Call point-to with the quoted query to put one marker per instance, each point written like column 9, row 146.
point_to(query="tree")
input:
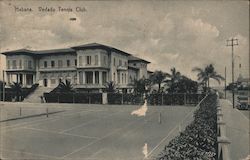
column 174, row 78
column 64, row 87
column 110, row 87
column 174, row 75
column 141, row 86
column 158, row 78
column 204, row 75
column 17, row 89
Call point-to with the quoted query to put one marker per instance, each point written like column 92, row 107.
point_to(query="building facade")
column 88, row 66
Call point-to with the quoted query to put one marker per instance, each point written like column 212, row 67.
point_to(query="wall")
column 21, row 62
column 113, row 67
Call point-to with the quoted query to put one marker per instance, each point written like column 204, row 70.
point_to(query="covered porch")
column 26, row 79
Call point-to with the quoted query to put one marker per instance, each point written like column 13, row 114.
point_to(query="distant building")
column 87, row 66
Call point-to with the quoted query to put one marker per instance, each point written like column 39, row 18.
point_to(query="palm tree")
column 17, row 89
column 204, row 75
column 65, row 87
column 174, row 76
column 110, row 87
column 158, row 78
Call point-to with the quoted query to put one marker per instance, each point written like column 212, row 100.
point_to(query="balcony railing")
column 123, row 68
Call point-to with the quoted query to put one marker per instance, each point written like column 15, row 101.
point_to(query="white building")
column 88, row 66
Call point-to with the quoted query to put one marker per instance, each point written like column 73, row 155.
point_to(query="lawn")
column 91, row 132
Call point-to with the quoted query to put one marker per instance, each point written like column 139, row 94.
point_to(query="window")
column 134, row 64
column 118, row 77
column 96, row 77
column 45, row 64
column 20, row 63
column 14, row 64
column 105, row 60
column 114, row 76
column 125, row 78
column 120, row 62
column 75, row 62
column 8, row 64
column 52, row 64
column 96, row 59
column 29, row 64
column 89, row 77
column 122, row 78
column 125, row 64
column 60, row 63
column 104, row 77
column 68, row 63
column 88, row 58
column 114, row 61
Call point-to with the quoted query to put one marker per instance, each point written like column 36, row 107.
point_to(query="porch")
column 26, row 79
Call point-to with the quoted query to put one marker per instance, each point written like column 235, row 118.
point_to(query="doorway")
column 45, row 82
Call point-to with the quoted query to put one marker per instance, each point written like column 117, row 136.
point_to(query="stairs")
column 35, row 97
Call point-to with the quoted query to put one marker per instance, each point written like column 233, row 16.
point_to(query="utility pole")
column 233, row 42
column 225, row 92
column 3, row 87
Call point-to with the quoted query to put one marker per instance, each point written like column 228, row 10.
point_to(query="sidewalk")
column 237, row 130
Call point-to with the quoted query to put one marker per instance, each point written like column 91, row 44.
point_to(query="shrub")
column 199, row 139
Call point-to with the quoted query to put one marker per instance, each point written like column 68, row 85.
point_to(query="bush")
column 199, row 139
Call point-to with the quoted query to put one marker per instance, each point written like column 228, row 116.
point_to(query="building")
column 88, row 66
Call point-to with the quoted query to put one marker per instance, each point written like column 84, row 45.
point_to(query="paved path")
column 237, row 130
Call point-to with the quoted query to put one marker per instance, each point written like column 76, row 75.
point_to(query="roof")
column 133, row 58
column 63, row 50
column 26, row 51
column 39, row 52
column 97, row 45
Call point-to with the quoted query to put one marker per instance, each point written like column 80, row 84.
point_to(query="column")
column 83, row 77
column 77, row 75
column 93, row 77
column 34, row 78
column 100, row 77
column 24, row 79
column 17, row 78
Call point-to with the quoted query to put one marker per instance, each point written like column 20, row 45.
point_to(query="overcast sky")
column 169, row 34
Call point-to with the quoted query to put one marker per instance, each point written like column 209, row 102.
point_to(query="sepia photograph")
column 124, row 80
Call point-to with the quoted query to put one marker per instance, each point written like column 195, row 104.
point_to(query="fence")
column 10, row 95
column 91, row 98
column 155, row 99
column 222, row 140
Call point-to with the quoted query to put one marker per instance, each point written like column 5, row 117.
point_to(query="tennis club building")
column 88, row 66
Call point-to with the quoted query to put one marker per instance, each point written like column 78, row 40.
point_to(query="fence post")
column 122, row 99
column 162, row 99
column 58, row 98
column 185, row 98
column 47, row 112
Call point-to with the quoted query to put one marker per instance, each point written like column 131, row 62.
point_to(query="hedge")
column 93, row 98
column 199, row 139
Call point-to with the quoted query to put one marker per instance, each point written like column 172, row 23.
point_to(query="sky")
column 180, row 34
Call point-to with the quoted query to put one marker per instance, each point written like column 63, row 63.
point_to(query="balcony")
column 122, row 68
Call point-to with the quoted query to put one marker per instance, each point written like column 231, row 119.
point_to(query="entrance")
column 45, row 82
